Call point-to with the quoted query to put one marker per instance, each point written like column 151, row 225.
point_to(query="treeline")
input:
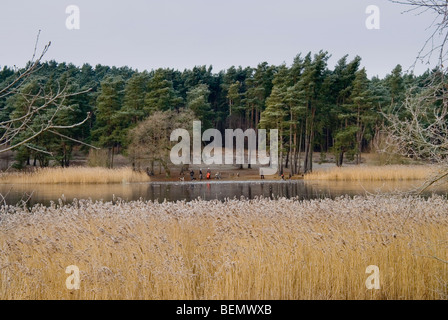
column 316, row 109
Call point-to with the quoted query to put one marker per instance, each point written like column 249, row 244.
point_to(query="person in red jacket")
column 209, row 174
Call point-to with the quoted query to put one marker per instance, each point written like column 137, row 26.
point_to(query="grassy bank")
column 374, row 173
column 75, row 175
column 258, row 249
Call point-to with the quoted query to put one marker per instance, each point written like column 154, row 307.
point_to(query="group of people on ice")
column 208, row 175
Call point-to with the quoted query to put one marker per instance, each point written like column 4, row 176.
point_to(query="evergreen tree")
column 161, row 95
column 276, row 112
column 310, row 86
column 109, row 126
column 19, row 105
column 259, row 87
column 197, row 101
column 395, row 83
column 359, row 110
column 236, row 107
column 134, row 98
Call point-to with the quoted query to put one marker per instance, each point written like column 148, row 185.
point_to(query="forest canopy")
column 315, row 108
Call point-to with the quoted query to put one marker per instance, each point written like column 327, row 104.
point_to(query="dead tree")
column 419, row 128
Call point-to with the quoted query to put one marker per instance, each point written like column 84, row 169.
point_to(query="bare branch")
column 438, row 39
column 74, row 140
column 45, row 102
column 24, row 75
column 419, row 129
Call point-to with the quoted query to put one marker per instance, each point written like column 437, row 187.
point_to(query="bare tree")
column 150, row 139
column 418, row 129
column 50, row 101
column 423, row 130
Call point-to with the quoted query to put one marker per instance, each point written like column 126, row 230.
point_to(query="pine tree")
column 236, row 108
column 276, row 112
column 161, row 95
column 396, row 85
column 360, row 105
column 109, row 125
column 134, row 98
column 18, row 105
column 310, row 86
column 197, row 101
column 259, row 87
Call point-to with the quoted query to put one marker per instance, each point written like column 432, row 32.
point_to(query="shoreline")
column 124, row 175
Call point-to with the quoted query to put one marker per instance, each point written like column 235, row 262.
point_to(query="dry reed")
column 374, row 173
column 251, row 249
column 75, row 175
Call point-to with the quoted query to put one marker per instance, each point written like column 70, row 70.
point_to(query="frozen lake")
column 206, row 190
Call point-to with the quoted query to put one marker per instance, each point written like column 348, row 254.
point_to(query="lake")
column 220, row 190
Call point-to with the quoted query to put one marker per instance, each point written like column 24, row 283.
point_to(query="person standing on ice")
column 209, row 174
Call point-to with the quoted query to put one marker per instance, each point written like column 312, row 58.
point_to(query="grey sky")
column 183, row 33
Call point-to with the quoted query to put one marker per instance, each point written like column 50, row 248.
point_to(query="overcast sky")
column 148, row 34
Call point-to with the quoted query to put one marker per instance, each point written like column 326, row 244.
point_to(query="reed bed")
column 75, row 175
column 375, row 173
column 249, row 249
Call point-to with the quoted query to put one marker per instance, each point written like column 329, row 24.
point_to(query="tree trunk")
column 309, row 142
column 256, row 120
column 300, row 149
column 290, row 143
column 111, row 165
column 310, row 153
column 281, row 150
column 361, row 135
column 340, row 159
column 305, row 161
column 294, row 156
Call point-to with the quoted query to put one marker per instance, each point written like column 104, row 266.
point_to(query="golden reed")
column 75, row 175
column 250, row 249
column 374, row 173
